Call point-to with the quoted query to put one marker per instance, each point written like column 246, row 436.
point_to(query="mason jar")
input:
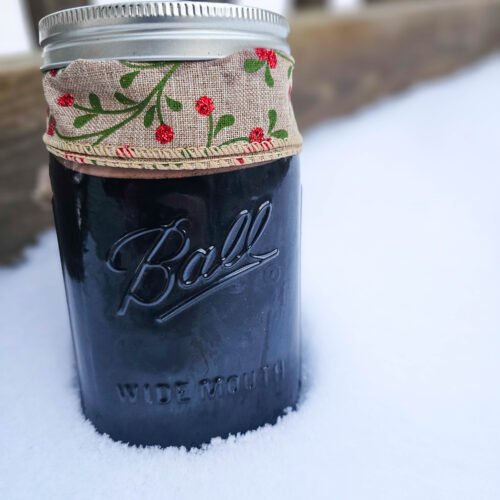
column 182, row 284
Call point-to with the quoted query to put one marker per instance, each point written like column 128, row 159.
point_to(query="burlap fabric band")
column 221, row 113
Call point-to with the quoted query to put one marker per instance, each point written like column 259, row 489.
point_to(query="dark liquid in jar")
column 184, row 299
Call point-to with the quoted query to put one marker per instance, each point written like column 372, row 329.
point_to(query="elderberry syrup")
column 182, row 285
column 184, row 299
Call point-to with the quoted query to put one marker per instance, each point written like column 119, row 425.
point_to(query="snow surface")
column 401, row 283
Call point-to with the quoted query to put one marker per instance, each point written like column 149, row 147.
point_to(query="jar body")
column 184, row 299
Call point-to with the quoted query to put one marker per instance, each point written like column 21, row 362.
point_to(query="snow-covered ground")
column 401, row 332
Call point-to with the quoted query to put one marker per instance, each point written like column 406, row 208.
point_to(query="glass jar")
column 183, row 287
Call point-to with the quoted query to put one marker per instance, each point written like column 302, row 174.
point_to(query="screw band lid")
column 158, row 31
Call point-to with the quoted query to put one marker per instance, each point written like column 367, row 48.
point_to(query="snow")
column 401, row 283
column 15, row 36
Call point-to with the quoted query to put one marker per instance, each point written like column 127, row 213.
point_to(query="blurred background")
column 349, row 53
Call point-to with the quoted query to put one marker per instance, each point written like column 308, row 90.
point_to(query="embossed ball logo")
column 168, row 265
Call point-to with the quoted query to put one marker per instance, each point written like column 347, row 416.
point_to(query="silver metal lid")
column 146, row 31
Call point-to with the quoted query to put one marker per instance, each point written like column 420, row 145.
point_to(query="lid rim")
column 158, row 30
column 134, row 12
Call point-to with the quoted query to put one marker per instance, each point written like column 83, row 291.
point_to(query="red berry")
column 53, row 72
column 205, row 105
column 272, row 61
column 164, row 134
column 256, row 135
column 262, row 54
column 51, row 126
column 66, row 100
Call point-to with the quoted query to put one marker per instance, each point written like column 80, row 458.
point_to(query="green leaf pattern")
column 267, row 59
column 150, row 107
